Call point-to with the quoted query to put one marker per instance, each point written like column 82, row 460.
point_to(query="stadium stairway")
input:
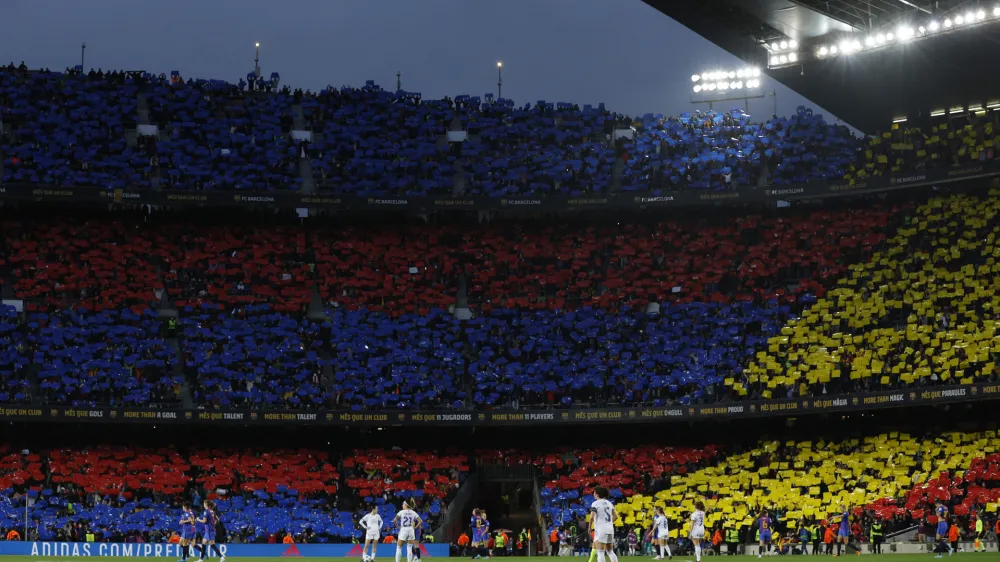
column 305, row 164
column 178, row 371
column 142, row 109
column 31, row 373
column 617, row 173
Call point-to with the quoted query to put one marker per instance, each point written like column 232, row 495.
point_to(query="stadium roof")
column 924, row 66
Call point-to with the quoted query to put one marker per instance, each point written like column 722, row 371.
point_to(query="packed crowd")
column 213, row 135
column 133, row 494
column 655, row 320
column 722, row 150
column 915, row 150
column 921, row 311
column 70, row 129
column 891, row 481
column 684, row 311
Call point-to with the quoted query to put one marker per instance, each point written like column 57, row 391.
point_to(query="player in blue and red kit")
column 480, row 534
column 764, row 526
column 188, row 530
column 941, row 533
column 209, row 518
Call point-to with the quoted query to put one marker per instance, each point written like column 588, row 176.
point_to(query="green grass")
column 390, row 557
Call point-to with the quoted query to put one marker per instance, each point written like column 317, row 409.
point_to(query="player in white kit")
column 698, row 528
column 662, row 533
column 372, row 524
column 604, row 520
column 407, row 520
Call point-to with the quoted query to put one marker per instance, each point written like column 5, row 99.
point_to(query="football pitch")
column 979, row 556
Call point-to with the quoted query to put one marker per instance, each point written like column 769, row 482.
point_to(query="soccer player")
column 372, row 524
column 476, row 524
column 604, row 518
column 764, row 528
column 407, row 519
column 662, row 534
column 188, row 530
column 208, row 520
column 698, row 528
column 844, row 534
column 941, row 534
column 487, row 549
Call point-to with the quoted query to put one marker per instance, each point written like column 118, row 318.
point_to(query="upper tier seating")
column 67, row 130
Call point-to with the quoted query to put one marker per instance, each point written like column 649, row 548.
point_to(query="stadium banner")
column 150, row 550
column 369, row 418
column 549, row 203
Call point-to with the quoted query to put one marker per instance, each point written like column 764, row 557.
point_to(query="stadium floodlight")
column 880, row 39
column 793, row 57
column 933, row 26
column 980, row 15
column 922, row 30
column 899, row 120
column 823, row 51
column 956, row 110
column 947, row 23
column 970, row 17
column 755, row 71
column 697, row 88
column 833, row 49
column 793, row 44
column 775, row 61
column 711, row 87
column 889, row 37
column 783, row 59
column 996, row 12
column 959, row 19
column 905, row 33
column 937, row 113
column 695, row 78
column 869, row 41
column 783, row 45
column 732, row 74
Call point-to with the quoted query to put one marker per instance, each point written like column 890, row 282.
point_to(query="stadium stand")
column 97, row 263
column 915, row 150
column 65, row 129
column 256, row 358
column 124, row 494
column 917, row 313
column 891, row 477
column 713, row 150
column 536, row 150
column 368, row 141
column 70, row 129
column 110, row 357
column 408, row 362
column 15, row 388
column 218, row 137
column 543, row 297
